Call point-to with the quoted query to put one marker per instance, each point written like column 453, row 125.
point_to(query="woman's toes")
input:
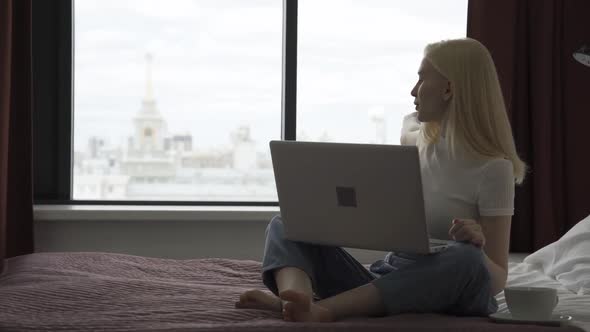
column 257, row 299
column 301, row 300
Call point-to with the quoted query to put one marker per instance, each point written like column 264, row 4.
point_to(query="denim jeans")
column 454, row 281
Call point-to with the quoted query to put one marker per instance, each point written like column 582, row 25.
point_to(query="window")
column 190, row 92
column 147, row 101
column 357, row 63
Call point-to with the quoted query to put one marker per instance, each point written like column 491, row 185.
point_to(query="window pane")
column 357, row 63
column 176, row 100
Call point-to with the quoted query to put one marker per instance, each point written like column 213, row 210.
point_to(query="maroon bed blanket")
column 114, row 292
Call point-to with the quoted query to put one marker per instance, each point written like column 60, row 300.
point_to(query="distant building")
column 180, row 143
column 146, row 159
column 244, row 152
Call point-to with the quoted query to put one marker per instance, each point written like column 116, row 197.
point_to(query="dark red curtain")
column 547, row 94
column 16, row 201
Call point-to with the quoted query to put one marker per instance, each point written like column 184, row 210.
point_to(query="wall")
column 167, row 239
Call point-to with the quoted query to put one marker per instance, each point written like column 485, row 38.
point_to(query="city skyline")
column 156, row 164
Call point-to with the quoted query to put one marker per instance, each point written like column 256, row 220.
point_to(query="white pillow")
column 567, row 259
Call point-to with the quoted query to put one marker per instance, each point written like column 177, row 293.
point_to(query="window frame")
column 53, row 55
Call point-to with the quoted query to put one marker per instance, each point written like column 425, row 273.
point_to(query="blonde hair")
column 476, row 118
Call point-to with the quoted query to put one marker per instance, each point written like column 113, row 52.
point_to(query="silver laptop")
column 365, row 196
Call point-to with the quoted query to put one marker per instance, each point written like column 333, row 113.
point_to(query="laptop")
column 366, row 196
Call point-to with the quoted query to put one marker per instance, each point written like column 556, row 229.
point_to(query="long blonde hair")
column 476, row 118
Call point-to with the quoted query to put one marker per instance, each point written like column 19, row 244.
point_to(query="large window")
column 176, row 101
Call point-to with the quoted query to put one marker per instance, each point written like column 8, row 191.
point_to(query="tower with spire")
column 146, row 158
column 150, row 126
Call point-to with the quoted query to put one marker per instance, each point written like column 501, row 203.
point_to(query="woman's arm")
column 410, row 129
column 496, row 249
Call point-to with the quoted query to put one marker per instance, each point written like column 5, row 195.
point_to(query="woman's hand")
column 467, row 230
column 410, row 129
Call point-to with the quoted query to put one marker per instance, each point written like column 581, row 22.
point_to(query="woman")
column 469, row 169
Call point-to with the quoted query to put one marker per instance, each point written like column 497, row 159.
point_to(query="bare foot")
column 298, row 307
column 257, row 299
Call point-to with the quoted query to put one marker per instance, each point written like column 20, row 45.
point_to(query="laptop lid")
column 352, row 195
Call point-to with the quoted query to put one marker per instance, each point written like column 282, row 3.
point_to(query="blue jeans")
column 454, row 281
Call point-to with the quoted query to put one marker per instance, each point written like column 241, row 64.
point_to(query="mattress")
column 114, row 292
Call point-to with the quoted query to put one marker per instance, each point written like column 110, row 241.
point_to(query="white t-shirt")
column 461, row 187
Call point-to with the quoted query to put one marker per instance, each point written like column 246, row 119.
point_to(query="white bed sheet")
column 523, row 274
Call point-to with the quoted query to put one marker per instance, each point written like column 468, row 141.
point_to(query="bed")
column 116, row 292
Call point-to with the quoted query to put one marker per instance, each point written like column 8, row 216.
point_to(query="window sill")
column 153, row 213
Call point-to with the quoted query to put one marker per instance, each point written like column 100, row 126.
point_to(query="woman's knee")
column 465, row 253
column 275, row 226
column 458, row 276
column 476, row 297
column 468, row 260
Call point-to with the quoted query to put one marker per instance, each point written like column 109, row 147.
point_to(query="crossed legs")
column 294, row 271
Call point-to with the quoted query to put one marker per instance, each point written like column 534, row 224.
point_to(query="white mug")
column 531, row 303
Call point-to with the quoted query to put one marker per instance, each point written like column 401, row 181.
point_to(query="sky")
column 217, row 65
